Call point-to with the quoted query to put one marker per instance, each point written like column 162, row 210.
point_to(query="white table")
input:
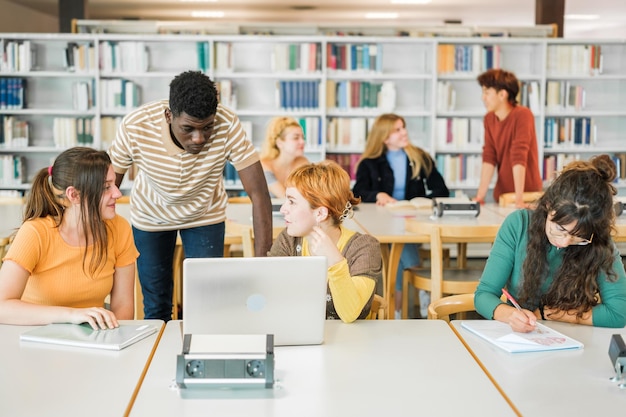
column 368, row 368
column 39, row 379
column 557, row 383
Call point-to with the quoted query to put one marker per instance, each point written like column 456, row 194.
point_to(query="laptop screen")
column 283, row 296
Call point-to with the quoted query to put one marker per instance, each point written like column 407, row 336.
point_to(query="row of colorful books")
column 12, row 170
column 467, row 58
column 302, row 57
column 72, row 131
column 563, row 95
column 554, row 163
column 460, row 170
column 126, row 56
column 456, row 133
column 570, row 131
column 348, row 132
column 575, row 59
column 298, row 95
column 354, row 57
column 14, row 132
column 12, row 93
column 119, row 94
column 17, row 56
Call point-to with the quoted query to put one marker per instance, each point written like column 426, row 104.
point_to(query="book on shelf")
column 574, row 60
column 354, row 57
column 467, row 58
column 543, row 338
column 203, row 54
column 12, row 93
column 82, row 335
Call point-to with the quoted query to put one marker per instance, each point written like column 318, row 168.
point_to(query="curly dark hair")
column 194, row 93
column 582, row 193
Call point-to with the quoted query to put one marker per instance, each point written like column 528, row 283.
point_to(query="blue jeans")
column 156, row 255
column 408, row 258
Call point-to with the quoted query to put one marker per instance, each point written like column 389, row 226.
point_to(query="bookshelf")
column 76, row 88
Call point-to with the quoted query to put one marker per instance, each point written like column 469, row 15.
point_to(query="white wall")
column 17, row 18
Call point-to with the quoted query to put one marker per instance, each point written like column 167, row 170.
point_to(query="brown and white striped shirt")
column 174, row 189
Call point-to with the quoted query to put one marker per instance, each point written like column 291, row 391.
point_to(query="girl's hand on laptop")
column 320, row 244
column 98, row 318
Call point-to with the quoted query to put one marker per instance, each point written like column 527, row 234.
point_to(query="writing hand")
column 522, row 321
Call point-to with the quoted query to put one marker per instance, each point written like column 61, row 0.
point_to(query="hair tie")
column 50, row 170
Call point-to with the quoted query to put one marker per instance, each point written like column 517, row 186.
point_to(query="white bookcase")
column 336, row 86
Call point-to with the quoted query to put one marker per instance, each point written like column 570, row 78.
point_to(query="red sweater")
column 510, row 142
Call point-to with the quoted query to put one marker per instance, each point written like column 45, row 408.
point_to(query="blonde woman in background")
column 281, row 153
column 393, row 169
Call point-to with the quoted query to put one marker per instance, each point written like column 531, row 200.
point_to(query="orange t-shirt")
column 57, row 274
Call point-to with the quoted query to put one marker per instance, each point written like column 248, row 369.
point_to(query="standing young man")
column 180, row 148
column 510, row 139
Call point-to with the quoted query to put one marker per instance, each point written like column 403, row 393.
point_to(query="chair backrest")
column 445, row 306
column 506, row 199
column 247, row 241
column 379, row 308
column 11, row 200
column 125, row 199
column 4, row 246
column 239, row 200
column 451, row 233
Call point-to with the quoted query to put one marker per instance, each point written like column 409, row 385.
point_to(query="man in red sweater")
column 510, row 139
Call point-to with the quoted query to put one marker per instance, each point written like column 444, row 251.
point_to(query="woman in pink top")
column 72, row 250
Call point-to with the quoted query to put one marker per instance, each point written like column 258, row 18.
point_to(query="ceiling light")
column 198, row 1
column 381, row 15
column 207, row 13
column 411, row 1
column 581, row 16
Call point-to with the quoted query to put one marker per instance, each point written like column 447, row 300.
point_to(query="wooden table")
column 394, row 229
column 39, row 379
column 557, row 383
column 367, row 368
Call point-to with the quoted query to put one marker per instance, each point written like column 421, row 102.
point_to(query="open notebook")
column 500, row 334
column 82, row 335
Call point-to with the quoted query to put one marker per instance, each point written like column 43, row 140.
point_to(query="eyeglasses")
column 559, row 232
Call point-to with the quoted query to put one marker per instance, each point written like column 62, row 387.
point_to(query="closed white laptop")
column 283, row 296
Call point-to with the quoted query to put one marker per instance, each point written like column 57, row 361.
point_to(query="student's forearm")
column 350, row 293
column 486, row 173
column 519, row 180
column 568, row 316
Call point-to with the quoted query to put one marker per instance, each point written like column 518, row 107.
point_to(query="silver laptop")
column 283, row 296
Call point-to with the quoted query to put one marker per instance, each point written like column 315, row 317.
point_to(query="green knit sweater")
column 504, row 269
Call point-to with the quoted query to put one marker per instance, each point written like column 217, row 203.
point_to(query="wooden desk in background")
column 368, row 368
column 40, row 379
column 556, row 383
column 393, row 229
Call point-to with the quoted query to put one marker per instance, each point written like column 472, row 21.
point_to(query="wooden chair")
column 453, row 304
column 507, row 199
column 5, row 242
column 379, row 308
column 454, row 280
column 125, row 199
column 12, row 200
column 247, row 241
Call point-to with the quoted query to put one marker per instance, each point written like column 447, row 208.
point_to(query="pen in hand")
column 515, row 303
column 511, row 299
